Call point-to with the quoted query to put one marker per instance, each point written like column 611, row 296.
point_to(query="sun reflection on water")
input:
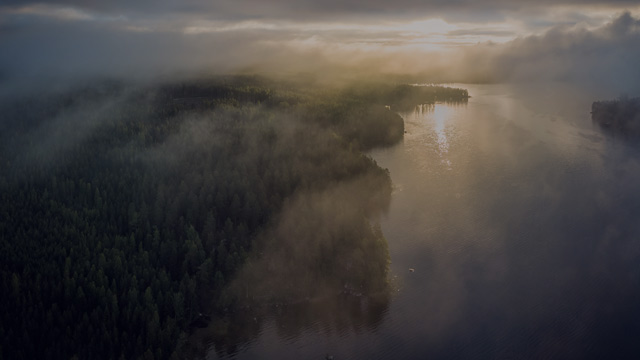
column 440, row 116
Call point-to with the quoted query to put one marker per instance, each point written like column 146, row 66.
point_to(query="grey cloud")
column 476, row 32
column 608, row 55
column 76, row 50
column 52, row 48
column 311, row 9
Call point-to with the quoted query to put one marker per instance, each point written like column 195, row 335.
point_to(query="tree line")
column 126, row 211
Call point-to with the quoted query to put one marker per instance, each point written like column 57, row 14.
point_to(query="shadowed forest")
column 620, row 116
column 130, row 212
column 285, row 179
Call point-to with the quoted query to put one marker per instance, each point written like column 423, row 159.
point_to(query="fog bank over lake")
column 519, row 217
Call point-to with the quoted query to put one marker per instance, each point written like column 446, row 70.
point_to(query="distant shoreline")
column 620, row 115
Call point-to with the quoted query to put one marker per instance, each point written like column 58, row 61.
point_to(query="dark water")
column 522, row 222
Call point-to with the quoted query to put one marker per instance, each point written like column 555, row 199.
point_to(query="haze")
column 463, row 41
column 304, row 179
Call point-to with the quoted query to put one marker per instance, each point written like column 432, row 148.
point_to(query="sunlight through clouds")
column 427, row 34
column 462, row 41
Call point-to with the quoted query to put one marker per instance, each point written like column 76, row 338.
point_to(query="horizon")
column 466, row 42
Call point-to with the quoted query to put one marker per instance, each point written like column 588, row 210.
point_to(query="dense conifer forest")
column 126, row 211
column 620, row 116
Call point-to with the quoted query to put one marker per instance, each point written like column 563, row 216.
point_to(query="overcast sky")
column 123, row 37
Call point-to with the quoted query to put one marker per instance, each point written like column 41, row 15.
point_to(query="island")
column 621, row 116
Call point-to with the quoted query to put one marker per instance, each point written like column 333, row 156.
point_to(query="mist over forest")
column 173, row 177
column 128, row 210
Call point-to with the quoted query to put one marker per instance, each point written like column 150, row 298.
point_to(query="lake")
column 521, row 222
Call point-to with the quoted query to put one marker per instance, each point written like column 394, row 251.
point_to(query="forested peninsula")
column 621, row 116
column 129, row 212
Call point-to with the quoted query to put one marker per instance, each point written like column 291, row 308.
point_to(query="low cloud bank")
column 53, row 49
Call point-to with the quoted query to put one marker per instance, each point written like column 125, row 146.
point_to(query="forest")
column 620, row 116
column 127, row 211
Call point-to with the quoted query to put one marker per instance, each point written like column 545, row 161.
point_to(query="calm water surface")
column 522, row 222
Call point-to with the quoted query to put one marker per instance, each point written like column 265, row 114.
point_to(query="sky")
column 446, row 40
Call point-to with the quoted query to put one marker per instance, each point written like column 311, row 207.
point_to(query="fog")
column 254, row 192
column 311, row 251
column 523, row 239
column 237, row 10
column 603, row 56
column 50, row 45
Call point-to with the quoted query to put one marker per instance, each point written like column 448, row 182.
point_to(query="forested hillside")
column 620, row 116
column 125, row 211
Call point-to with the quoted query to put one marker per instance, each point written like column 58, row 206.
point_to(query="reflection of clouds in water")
column 524, row 240
column 516, row 250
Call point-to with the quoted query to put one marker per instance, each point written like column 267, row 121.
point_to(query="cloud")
column 607, row 55
column 75, row 50
column 54, row 12
column 69, row 41
column 329, row 9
